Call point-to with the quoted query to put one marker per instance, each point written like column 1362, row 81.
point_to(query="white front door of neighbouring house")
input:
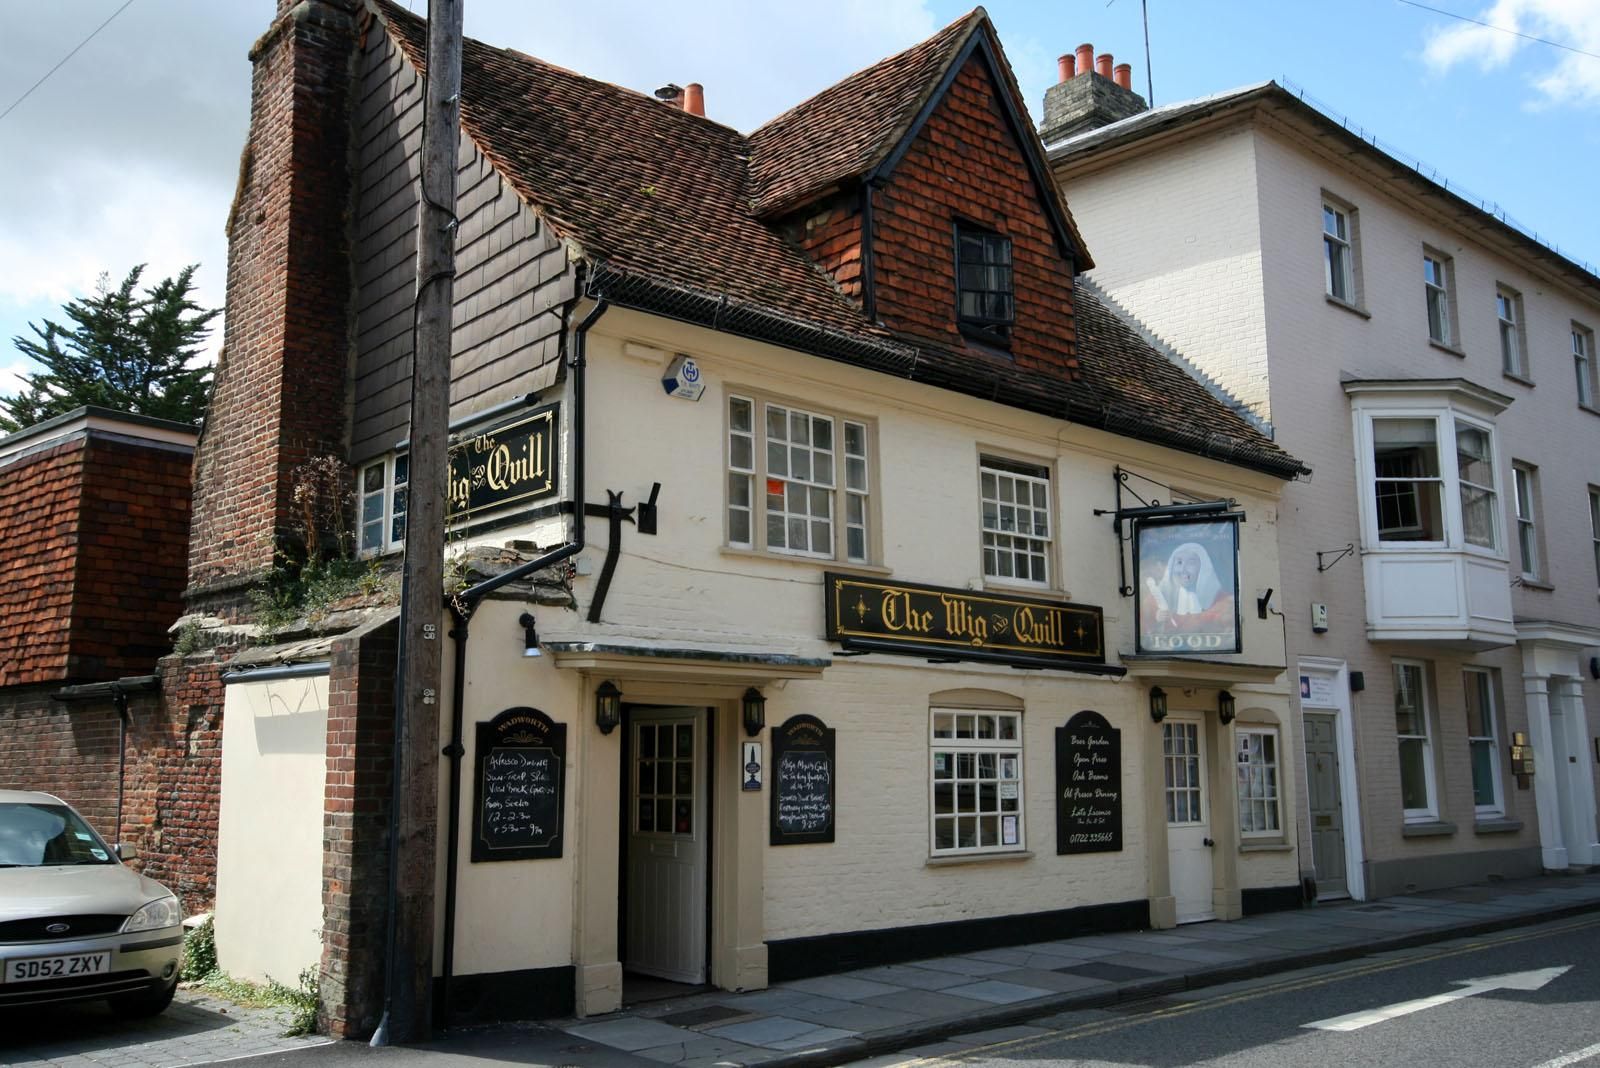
column 1189, row 844
column 667, row 854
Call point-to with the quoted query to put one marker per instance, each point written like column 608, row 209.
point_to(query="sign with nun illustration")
column 1188, row 585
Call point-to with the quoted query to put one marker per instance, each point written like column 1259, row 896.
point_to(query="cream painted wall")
column 1312, row 344
column 269, row 829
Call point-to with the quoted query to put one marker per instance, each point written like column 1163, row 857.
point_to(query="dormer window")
column 985, row 298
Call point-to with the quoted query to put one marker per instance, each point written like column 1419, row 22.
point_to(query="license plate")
column 64, row 967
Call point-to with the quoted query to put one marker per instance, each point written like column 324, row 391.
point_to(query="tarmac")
column 860, row 1014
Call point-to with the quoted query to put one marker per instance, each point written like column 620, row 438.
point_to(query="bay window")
column 1415, row 498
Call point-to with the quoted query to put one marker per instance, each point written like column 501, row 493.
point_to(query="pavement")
column 833, row 1019
column 197, row 1028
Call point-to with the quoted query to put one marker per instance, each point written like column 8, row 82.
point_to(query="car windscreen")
column 43, row 835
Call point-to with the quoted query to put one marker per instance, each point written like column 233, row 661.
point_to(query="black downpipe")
column 462, row 606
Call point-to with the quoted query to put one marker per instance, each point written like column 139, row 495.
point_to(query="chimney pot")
column 1086, row 59
column 1103, row 66
column 1124, row 76
column 1066, row 67
column 694, row 98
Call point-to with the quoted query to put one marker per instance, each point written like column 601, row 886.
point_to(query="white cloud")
column 11, row 376
column 1562, row 78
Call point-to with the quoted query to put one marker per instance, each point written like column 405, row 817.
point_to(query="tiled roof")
column 846, row 129
column 660, row 203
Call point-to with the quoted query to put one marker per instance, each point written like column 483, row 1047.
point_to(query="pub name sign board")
column 509, row 465
column 950, row 624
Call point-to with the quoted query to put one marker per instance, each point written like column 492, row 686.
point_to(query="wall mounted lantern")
column 1226, row 707
column 530, row 635
column 1158, row 704
column 607, row 707
column 753, row 710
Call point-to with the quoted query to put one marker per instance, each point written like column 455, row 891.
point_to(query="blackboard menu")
column 802, row 782
column 1088, row 785
column 520, row 778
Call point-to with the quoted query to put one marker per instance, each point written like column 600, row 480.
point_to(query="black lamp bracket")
column 1337, row 554
column 1148, row 509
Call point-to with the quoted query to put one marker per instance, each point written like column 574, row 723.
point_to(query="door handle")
column 1207, row 842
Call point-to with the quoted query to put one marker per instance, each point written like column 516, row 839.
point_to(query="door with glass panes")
column 667, row 854
column 1189, row 845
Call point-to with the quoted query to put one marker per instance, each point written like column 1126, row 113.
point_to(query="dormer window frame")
column 989, row 324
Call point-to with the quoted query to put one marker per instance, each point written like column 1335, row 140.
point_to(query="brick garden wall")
column 69, row 750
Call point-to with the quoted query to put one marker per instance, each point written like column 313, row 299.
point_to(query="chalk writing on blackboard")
column 803, row 782
column 519, row 780
column 1088, row 785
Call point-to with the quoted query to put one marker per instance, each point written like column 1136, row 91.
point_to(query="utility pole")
column 422, row 597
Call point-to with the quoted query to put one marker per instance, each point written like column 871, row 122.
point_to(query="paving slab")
column 913, row 977
column 996, row 992
column 844, row 987
column 631, row 1033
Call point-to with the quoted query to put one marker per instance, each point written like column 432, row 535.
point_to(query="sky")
column 129, row 152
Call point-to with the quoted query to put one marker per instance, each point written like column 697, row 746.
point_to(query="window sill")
column 1591, row 409
column 814, row 561
column 1496, row 825
column 1445, row 346
column 1529, row 583
column 1354, row 309
column 977, row 858
column 1273, row 845
column 1427, row 829
column 1521, row 379
column 1048, row 593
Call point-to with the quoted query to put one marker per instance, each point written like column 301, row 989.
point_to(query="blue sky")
column 129, row 153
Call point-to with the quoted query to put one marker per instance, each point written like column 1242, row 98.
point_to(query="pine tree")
column 128, row 351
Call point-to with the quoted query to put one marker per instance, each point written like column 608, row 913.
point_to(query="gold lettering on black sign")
column 508, row 465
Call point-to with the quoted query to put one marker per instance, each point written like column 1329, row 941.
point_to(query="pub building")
column 869, row 589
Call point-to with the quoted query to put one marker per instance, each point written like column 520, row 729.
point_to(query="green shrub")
column 200, row 953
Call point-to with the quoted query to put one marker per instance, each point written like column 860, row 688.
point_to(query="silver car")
column 75, row 924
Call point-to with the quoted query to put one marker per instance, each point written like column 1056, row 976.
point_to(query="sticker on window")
column 938, row 762
column 1008, row 830
column 99, row 854
column 1008, row 791
column 81, row 836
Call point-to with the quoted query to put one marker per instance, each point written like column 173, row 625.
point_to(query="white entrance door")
column 667, row 844
column 1188, row 818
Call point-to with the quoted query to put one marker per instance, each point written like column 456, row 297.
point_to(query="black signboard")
column 1088, row 785
column 802, row 782
column 511, row 464
column 951, row 624
column 521, row 772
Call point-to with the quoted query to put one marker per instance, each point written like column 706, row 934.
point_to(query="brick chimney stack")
column 280, row 393
column 1092, row 92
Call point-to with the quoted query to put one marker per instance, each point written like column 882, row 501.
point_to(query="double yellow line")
column 1101, row 1027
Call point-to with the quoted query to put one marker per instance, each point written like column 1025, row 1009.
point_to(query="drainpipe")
column 462, row 607
column 119, row 697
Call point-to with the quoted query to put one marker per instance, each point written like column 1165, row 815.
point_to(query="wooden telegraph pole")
column 422, row 599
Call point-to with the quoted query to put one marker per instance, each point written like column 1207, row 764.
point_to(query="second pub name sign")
column 942, row 623
column 511, row 464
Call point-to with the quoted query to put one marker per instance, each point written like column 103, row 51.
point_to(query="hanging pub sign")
column 802, row 782
column 511, row 464
column 951, row 624
column 1188, row 585
column 1088, row 785
column 519, row 781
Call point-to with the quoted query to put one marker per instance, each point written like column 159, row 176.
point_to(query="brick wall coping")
column 277, row 671
column 143, row 429
column 95, row 691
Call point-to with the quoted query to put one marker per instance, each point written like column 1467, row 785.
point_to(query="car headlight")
column 156, row 915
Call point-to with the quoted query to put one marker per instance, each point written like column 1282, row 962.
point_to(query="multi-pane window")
column 1594, row 529
column 383, row 494
column 1583, row 364
column 1180, row 758
column 1525, row 479
column 1338, row 256
column 1436, row 281
column 791, row 473
column 976, row 781
column 1407, row 482
column 1475, row 477
column 985, row 293
column 1508, row 307
column 1483, row 741
column 1257, row 772
column 664, row 778
column 1015, row 503
column 1411, row 731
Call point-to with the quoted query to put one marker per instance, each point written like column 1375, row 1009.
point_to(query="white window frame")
column 1525, row 502
column 849, row 489
column 385, row 498
column 1430, row 811
column 1339, row 244
column 1437, row 290
column 993, row 534
column 1583, row 365
column 1470, row 678
column 1513, row 340
column 1252, row 766
column 1446, row 420
column 945, row 765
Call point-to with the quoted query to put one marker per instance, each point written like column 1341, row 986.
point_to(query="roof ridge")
column 1149, row 337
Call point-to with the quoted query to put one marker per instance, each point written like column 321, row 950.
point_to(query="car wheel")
column 145, row 1003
